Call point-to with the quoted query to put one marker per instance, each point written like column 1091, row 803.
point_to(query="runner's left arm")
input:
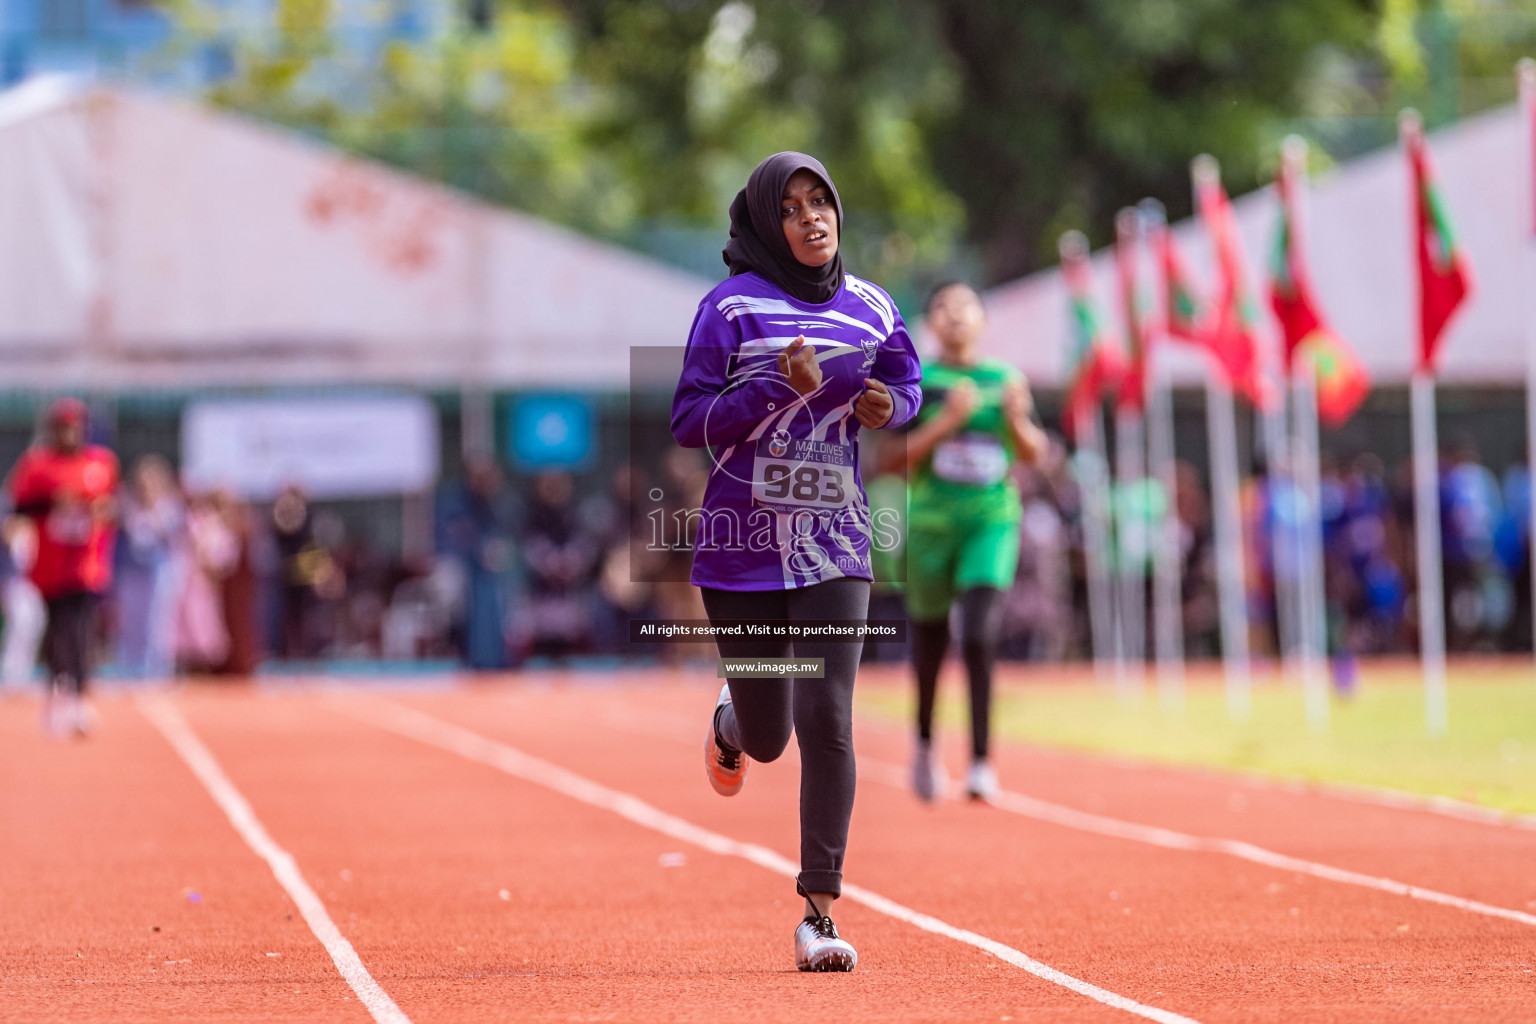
column 1029, row 441
column 897, row 367
column 713, row 406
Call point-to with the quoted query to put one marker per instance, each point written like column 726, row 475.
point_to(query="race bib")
column 976, row 459
column 790, row 473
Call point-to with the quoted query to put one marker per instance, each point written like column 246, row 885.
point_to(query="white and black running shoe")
column 818, row 947
column 981, row 782
column 928, row 779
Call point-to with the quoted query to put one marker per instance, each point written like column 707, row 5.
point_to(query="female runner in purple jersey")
column 788, row 359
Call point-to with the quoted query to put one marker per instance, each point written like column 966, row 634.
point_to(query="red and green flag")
column 1232, row 333
column 1094, row 364
column 1182, row 315
column 1445, row 274
column 1342, row 382
column 1133, row 387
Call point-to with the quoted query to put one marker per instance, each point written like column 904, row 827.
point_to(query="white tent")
column 1359, row 246
column 146, row 242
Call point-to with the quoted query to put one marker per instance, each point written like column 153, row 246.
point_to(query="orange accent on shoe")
column 726, row 769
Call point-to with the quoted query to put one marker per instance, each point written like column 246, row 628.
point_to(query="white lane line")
column 165, row 717
column 1345, row 792
column 1386, row 796
column 1084, row 821
column 662, row 723
column 1294, row 785
column 475, row 747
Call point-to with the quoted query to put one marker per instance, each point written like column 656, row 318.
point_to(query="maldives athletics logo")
column 871, row 346
column 778, row 444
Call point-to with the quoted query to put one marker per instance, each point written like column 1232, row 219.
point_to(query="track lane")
column 1411, row 845
column 405, row 844
column 1288, row 937
column 125, row 895
column 594, row 926
column 1405, row 843
column 165, row 717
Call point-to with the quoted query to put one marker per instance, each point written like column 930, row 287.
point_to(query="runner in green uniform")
column 963, row 519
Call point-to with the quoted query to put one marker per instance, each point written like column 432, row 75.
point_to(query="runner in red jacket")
column 66, row 487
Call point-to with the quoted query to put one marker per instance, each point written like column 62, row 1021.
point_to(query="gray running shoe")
column 818, row 947
column 928, row 779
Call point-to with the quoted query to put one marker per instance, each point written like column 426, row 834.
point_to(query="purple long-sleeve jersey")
column 785, row 504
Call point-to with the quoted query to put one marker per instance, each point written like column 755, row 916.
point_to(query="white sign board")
column 341, row 447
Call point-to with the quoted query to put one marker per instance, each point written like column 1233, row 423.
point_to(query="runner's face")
column 68, row 435
column 809, row 219
column 956, row 319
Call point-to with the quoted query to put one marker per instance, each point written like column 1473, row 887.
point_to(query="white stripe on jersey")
column 773, row 346
column 876, row 299
column 834, row 417
column 733, row 306
column 765, row 351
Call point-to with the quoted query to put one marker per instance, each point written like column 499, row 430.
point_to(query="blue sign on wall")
column 551, row 432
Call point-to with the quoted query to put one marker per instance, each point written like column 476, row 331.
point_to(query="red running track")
column 471, row 894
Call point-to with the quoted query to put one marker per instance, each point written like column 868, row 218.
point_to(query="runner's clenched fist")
column 875, row 406
column 798, row 363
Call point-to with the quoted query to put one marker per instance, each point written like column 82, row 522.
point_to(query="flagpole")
column 1221, row 431
column 1313, row 631
column 1167, row 589
column 1312, row 627
column 1168, row 598
column 1284, row 539
column 1085, row 419
column 1426, row 512
column 1131, row 464
column 1426, row 494
column 1280, row 486
column 1526, row 74
column 1130, row 535
column 1092, row 471
column 1221, row 428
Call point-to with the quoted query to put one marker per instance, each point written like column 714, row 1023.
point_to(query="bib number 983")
column 808, row 485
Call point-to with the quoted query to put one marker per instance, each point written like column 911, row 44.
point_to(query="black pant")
column 819, row 711
column 980, row 615
column 67, row 642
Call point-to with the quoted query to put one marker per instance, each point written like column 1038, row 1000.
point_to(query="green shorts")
column 942, row 563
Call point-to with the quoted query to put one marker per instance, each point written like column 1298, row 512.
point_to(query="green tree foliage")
column 502, row 113
column 699, row 93
column 965, row 135
column 1071, row 109
column 1465, row 51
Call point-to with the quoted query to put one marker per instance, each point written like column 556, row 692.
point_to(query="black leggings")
column 67, row 641
column 819, row 711
column 979, row 624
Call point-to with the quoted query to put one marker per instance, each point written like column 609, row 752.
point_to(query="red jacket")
column 58, row 491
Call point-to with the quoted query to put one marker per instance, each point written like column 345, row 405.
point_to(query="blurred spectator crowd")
column 1370, row 555
column 550, row 569
column 206, row 584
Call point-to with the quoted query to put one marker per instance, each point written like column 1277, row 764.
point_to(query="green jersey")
column 966, row 480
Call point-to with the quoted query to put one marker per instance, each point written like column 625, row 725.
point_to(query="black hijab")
column 757, row 237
